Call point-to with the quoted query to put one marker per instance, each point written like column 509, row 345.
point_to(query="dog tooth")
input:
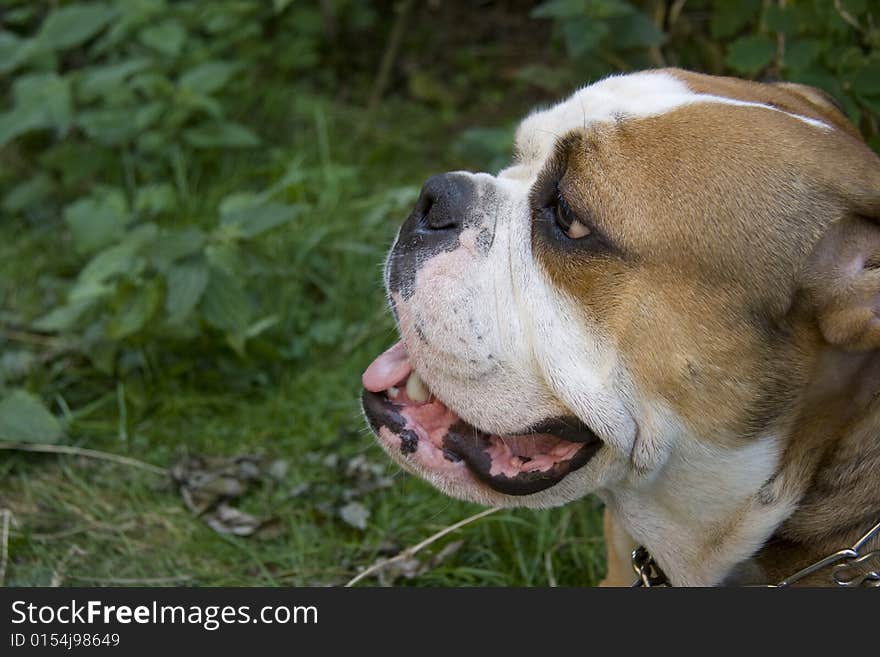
column 393, row 392
column 416, row 388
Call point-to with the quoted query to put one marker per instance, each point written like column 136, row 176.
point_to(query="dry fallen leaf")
column 204, row 482
column 355, row 514
column 412, row 567
column 299, row 490
column 227, row 519
column 208, row 485
column 277, row 469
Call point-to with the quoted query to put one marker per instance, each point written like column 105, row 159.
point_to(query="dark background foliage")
column 195, row 198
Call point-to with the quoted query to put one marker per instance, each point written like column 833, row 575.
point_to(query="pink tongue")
column 389, row 369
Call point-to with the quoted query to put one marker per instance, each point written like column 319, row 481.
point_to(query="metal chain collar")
column 649, row 573
column 850, row 567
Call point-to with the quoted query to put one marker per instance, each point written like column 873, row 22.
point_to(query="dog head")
column 636, row 302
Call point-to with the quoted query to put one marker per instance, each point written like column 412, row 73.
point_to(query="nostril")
column 423, row 210
column 434, row 214
column 440, row 219
column 442, row 203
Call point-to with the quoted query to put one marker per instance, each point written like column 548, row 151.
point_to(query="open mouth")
column 400, row 408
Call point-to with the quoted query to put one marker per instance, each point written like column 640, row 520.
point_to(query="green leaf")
column 751, row 53
column 780, row 19
column 46, row 93
column 208, row 77
column 221, row 134
column 225, row 305
column 240, row 201
column 142, row 235
column 89, row 291
column 100, row 81
column 177, row 243
column 147, row 115
column 155, row 199
column 635, row 31
column 167, row 37
column 568, row 9
column 185, row 285
column 28, row 193
column 42, row 100
column 115, row 260
column 801, row 53
column 24, row 418
column 95, row 222
column 64, row 318
column 848, row 59
column 867, row 80
column 583, row 35
column 730, row 16
column 18, row 122
column 110, row 126
column 138, row 307
column 72, row 25
column 225, row 255
column 10, row 51
column 102, row 353
column 152, row 84
column 191, row 104
column 250, row 222
column 487, row 147
column 22, row 15
column 557, row 9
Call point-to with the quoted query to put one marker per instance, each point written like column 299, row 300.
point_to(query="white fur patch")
column 637, row 95
column 698, row 515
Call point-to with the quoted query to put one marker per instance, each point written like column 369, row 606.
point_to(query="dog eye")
column 566, row 219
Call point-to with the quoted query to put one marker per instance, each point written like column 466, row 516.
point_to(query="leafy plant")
column 603, row 34
column 113, row 109
column 142, row 278
column 830, row 45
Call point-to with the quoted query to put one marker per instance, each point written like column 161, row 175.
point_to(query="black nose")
column 443, row 204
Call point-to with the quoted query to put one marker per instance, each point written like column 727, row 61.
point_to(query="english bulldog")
column 669, row 299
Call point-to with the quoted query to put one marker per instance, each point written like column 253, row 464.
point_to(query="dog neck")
column 757, row 513
column 700, row 515
column 831, row 465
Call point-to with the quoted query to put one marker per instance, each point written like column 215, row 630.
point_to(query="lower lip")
column 391, row 428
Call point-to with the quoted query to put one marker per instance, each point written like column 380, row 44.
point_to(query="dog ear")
column 844, row 281
column 818, row 97
column 821, row 102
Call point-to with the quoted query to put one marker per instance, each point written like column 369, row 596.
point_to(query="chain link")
column 850, row 567
column 649, row 573
column 854, row 573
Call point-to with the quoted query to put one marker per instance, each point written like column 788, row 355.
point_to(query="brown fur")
column 733, row 298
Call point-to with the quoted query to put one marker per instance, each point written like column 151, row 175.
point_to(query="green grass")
column 295, row 397
column 89, row 522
